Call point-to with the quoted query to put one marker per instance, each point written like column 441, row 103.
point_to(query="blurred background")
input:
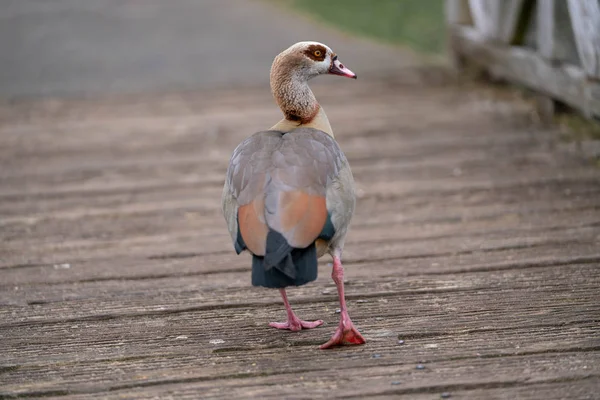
column 89, row 47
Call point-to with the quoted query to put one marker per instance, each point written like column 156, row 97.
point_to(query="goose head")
column 309, row 59
column 291, row 71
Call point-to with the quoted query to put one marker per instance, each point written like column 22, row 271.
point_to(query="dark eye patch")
column 313, row 50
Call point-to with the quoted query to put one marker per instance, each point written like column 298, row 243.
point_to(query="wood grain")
column 565, row 82
column 476, row 241
column 585, row 20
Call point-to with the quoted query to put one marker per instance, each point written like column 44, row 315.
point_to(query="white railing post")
column 545, row 29
column 509, row 17
column 486, row 16
column 585, row 20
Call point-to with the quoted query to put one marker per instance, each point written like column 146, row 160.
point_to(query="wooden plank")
column 555, row 319
column 576, row 389
column 415, row 241
column 139, row 172
column 181, row 293
column 510, row 13
column 475, row 239
column 168, row 211
column 545, row 35
column 486, row 15
column 563, row 373
column 585, row 20
column 554, row 34
column 547, row 40
column 566, row 83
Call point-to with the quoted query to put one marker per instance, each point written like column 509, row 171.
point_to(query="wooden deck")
column 476, row 241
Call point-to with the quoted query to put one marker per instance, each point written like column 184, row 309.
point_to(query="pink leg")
column 346, row 333
column 293, row 323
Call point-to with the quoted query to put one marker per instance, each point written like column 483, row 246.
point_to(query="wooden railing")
column 550, row 46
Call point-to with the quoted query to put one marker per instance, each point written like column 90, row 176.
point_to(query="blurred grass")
column 418, row 24
column 577, row 128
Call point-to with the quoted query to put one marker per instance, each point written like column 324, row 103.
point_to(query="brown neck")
column 293, row 95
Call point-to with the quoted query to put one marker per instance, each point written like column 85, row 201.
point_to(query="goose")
column 289, row 193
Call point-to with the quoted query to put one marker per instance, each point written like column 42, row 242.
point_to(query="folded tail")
column 284, row 265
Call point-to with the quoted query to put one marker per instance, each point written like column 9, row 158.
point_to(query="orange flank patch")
column 302, row 217
column 252, row 226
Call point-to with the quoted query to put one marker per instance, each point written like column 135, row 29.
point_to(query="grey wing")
column 282, row 182
column 320, row 168
column 245, row 179
column 341, row 200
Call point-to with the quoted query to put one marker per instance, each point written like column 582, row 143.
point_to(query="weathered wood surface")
column 565, row 82
column 476, row 240
column 585, row 20
column 486, row 17
column 556, row 52
column 554, row 36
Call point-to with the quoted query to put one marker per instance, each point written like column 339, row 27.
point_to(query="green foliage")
column 577, row 128
column 416, row 23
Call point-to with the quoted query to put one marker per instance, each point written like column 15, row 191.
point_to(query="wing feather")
column 289, row 183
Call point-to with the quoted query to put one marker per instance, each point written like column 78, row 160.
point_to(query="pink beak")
column 337, row 68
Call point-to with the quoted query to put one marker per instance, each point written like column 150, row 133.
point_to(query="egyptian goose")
column 289, row 192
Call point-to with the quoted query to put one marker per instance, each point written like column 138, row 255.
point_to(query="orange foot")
column 345, row 334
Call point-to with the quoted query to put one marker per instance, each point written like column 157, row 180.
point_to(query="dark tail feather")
column 284, row 265
column 277, row 254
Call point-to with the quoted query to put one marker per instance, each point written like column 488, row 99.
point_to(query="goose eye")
column 317, row 53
